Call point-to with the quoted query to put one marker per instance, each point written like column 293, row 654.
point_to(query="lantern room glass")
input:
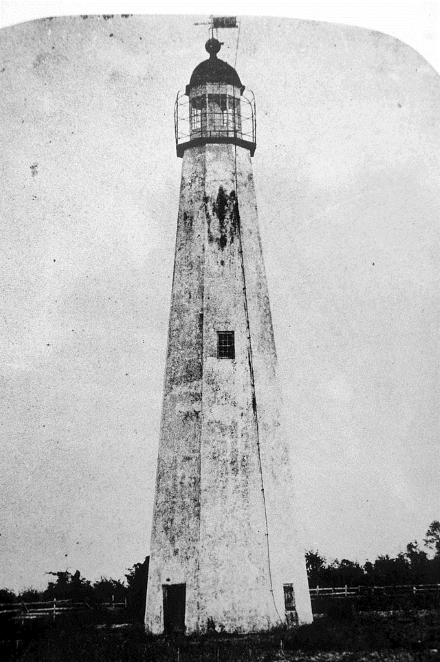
column 215, row 111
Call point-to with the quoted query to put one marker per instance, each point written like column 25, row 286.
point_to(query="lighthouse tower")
column 224, row 548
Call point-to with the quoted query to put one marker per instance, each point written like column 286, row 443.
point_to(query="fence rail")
column 351, row 591
column 57, row 607
column 54, row 608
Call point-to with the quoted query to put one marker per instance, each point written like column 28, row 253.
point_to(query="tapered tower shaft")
column 224, row 549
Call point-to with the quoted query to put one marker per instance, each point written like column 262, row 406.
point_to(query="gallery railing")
column 208, row 122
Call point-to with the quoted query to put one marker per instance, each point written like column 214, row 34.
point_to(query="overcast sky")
column 416, row 23
column 346, row 171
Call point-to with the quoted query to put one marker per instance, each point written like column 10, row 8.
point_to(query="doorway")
column 174, row 600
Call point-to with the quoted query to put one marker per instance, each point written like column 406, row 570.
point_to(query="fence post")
column 346, row 590
column 317, row 590
column 54, row 608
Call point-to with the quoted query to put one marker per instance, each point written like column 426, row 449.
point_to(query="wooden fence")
column 53, row 608
column 353, row 591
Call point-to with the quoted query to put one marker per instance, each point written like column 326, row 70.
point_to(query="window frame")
column 226, row 348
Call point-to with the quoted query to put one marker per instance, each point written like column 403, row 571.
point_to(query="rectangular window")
column 225, row 345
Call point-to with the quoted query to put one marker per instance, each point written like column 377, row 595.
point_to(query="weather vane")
column 222, row 22
column 216, row 22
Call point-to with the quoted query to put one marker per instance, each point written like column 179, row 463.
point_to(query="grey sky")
column 346, row 171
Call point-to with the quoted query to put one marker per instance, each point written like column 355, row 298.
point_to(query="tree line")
column 418, row 564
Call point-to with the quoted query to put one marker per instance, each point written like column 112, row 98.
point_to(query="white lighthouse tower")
column 224, row 548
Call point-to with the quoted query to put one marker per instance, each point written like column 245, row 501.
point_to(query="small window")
column 225, row 345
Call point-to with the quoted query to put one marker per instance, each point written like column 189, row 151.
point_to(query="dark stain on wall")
column 235, row 215
column 187, row 224
column 224, row 208
column 190, row 371
column 208, row 219
column 221, row 209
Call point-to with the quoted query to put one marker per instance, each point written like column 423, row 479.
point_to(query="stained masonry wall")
column 287, row 556
column 176, row 518
column 221, row 443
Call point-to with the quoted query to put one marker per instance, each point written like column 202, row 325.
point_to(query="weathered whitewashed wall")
column 223, row 518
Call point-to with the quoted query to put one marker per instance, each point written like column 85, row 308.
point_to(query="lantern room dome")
column 214, row 70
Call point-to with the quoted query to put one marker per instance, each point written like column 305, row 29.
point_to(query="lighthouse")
column 225, row 553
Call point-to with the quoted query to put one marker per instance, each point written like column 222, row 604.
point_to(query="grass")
column 406, row 636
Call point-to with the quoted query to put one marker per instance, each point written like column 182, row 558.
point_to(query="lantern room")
column 214, row 107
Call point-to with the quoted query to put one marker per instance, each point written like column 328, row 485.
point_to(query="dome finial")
column 213, row 46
